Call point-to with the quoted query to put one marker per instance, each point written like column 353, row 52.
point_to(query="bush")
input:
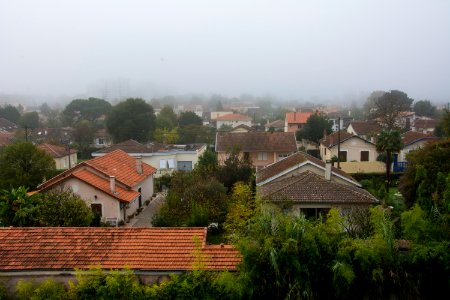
column 46, row 290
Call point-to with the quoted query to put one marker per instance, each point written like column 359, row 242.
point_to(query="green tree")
column 389, row 142
column 64, row 208
column 387, row 108
column 196, row 134
column 83, row 135
column 131, row 119
column 189, row 118
column 88, row 109
column 30, row 120
column 166, row 136
column 422, row 180
column 207, row 163
column 234, row 169
column 10, row 113
column 23, row 164
column 424, row 108
column 166, row 118
column 17, row 208
column 443, row 128
column 314, row 128
column 241, row 210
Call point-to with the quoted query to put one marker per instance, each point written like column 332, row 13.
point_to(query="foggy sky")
column 293, row 49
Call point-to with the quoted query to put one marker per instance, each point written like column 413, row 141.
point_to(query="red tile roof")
column 297, row 117
column 256, row 141
column 6, row 138
column 310, row 188
column 234, row 117
column 292, row 161
column 333, row 139
column 411, row 137
column 116, row 163
column 147, row 249
column 102, row 184
column 425, row 124
column 55, row 151
column 7, row 126
column 365, row 127
column 122, row 166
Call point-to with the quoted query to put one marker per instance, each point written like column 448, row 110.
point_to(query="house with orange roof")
column 233, row 120
column 151, row 253
column 63, row 160
column 115, row 185
column 295, row 120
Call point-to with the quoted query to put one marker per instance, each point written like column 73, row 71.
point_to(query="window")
column 262, row 155
column 101, row 141
column 365, row 155
column 97, row 210
column 342, row 155
column 163, row 164
column 184, row 165
column 171, row 163
column 282, row 156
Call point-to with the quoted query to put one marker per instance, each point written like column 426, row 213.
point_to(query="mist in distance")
column 327, row 51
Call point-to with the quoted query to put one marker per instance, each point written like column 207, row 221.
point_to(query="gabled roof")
column 292, row 162
column 55, row 151
column 256, row 141
column 103, row 184
column 294, row 117
column 275, row 124
column 411, row 137
column 96, row 172
column 234, row 117
column 425, row 123
column 241, row 128
column 7, row 125
column 365, row 127
column 145, row 249
column 332, row 139
column 310, row 188
column 6, row 138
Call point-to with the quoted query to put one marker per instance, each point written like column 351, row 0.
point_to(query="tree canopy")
column 29, row 119
column 23, row 164
column 388, row 106
column 131, row 119
column 424, row 108
column 388, row 141
column 85, row 109
column 166, row 118
column 189, row 118
column 314, row 128
column 10, row 113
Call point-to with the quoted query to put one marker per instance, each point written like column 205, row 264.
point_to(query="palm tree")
column 389, row 141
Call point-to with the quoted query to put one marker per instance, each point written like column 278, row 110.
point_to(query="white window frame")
column 262, row 156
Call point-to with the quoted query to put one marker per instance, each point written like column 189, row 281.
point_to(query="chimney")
column 139, row 165
column 328, row 170
column 112, row 183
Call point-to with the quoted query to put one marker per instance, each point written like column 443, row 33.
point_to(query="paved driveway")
column 144, row 219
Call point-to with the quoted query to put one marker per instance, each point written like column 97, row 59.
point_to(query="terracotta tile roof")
column 7, row 125
column 297, row 117
column 122, row 166
column 365, row 127
column 308, row 188
column 275, row 124
column 6, row 138
column 147, row 249
column 411, row 137
column 256, row 141
column 116, row 163
column 55, row 151
column 332, row 139
column 234, row 117
column 425, row 124
column 292, row 161
column 102, row 184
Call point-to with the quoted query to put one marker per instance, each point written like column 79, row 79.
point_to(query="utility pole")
column 68, row 150
column 339, row 143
